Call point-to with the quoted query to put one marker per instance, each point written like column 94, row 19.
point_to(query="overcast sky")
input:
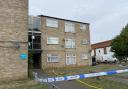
column 107, row 17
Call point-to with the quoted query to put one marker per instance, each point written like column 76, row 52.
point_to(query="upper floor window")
column 52, row 22
column 34, row 23
column 52, row 58
column 83, row 27
column 69, row 27
column 52, row 40
column 70, row 43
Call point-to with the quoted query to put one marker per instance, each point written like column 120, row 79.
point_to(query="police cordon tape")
column 81, row 76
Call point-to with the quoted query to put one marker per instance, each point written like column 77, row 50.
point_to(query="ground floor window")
column 70, row 58
column 84, row 56
column 52, row 58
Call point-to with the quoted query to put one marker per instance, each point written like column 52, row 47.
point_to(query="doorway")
column 36, row 60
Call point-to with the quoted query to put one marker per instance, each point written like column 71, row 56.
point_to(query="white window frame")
column 70, row 58
column 53, row 58
column 69, row 27
column 56, row 39
column 85, row 42
column 84, row 56
column 70, row 43
column 50, row 22
column 83, row 27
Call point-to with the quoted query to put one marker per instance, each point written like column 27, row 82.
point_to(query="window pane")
column 69, row 27
column 52, row 23
column 53, row 40
column 70, row 43
column 84, row 56
column 85, row 42
column 83, row 27
column 52, row 58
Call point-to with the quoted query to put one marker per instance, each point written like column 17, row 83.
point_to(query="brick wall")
column 60, row 48
column 13, row 28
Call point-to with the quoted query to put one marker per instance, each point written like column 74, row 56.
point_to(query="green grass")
column 22, row 84
column 103, row 84
column 81, row 70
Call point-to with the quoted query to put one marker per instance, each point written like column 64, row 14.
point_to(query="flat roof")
column 63, row 19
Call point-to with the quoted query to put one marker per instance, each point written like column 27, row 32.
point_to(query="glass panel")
column 53, row 40
column 52, row 22
column 69, row 27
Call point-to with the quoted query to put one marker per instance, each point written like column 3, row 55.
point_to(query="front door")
column 70, row 59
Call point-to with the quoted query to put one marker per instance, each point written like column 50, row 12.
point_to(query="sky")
column 106, row 17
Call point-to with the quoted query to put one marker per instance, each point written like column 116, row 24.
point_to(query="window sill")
column 52, row 62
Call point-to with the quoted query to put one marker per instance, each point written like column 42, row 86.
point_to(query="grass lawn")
column 82, row 70
column 103, row 84
column 22, row 84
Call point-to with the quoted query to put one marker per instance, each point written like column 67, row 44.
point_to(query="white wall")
column 100, row 51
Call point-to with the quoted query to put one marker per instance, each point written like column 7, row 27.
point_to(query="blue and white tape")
column 81, row 76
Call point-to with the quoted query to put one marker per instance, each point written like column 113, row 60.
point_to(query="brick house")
column 60, row 42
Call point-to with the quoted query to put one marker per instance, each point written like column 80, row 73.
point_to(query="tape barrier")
column 81, row 76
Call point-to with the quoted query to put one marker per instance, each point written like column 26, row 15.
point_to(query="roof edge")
column 63, row 19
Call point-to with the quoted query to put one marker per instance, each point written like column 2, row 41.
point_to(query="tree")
column 120, row 45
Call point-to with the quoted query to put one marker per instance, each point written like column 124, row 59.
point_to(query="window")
column 70, row 58
column 83, row 27
column 52, row 58
column 84, row 56
column 34, row 23
column 108, row 50
column 34, row 40
column 52, row 40
column 52, row 23
column 85, row 42
column 100, row 51
column 69, row 27
column 70, row 43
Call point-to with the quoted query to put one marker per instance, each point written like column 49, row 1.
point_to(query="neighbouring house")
column 57, row 42
column 101, row 52
column 101, row 48
column 13, row 39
